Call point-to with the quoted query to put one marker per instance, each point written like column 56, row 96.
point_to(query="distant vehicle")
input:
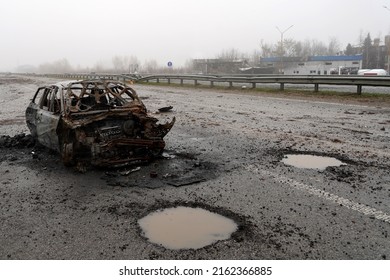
column 373, row 72
column 354, row 71
column 362, row 71
column 344, row 71
column 95, row 122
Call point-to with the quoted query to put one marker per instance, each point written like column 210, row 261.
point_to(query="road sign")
column 170, row 64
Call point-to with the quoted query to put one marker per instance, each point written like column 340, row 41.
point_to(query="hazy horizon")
column 89, row 32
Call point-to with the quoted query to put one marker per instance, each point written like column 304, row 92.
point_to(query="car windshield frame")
column 97, row 96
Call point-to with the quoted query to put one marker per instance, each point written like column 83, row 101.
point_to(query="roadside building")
column 218, row 66
column 314, row 65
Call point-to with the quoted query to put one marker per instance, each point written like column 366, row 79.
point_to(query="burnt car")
column 96, row 122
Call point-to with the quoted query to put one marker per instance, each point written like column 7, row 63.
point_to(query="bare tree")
column 361, row 38
column 133, row 64
column 292, row 48
column 267, row 50
column 306, row 48
column 298, row 48
column 124, row 64
column 333, row 46
column 58, row 66
column 231, row 54
column 318, row 48
column 150, row 66
column 289, row 47
column 254, row 58
column 98, row 67
column 119, row 65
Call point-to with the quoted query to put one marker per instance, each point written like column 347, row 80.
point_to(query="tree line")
column 374, row 53
column 373, row 57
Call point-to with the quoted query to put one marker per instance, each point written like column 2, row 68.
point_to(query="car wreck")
column 95, row 122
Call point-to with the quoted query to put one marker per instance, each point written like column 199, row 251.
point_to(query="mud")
column 223, row 155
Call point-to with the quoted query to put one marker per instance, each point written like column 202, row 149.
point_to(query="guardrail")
column 91, row 76
column 252, row 80
column 358, row 81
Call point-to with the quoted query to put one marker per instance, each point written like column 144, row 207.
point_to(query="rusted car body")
column 97, row 122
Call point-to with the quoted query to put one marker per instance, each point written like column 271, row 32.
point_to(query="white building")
column 314, row 65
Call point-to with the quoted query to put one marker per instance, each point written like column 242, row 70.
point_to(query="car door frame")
column 47, row 117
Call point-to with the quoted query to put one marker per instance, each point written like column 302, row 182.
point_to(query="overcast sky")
column 90, row 31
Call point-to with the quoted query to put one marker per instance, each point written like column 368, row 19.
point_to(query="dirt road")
column 224, row 154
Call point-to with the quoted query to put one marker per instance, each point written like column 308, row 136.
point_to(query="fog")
column 90, row 32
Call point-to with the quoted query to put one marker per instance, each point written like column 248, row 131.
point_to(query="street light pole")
column 388, row 48
column 281, row 45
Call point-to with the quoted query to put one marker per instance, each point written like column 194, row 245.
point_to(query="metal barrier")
column 91, row 76
column 252, row 80
column 358, row 81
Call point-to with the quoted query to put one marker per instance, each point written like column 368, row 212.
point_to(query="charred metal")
column 97, row 122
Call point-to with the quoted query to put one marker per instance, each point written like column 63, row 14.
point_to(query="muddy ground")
column 223, row 154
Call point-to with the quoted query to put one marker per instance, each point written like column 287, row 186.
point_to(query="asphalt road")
column 223, row 154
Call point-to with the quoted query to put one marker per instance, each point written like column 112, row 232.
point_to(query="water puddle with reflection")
column 310, row 161
column 186, row 228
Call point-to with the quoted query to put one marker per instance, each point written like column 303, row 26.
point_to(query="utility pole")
column 281, row 46
column 388, row 48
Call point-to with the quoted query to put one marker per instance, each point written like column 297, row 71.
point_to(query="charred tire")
column 67, row 154
column 156, row 152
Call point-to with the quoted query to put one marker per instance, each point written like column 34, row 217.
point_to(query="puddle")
column 186, row 228
column 310, row 161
